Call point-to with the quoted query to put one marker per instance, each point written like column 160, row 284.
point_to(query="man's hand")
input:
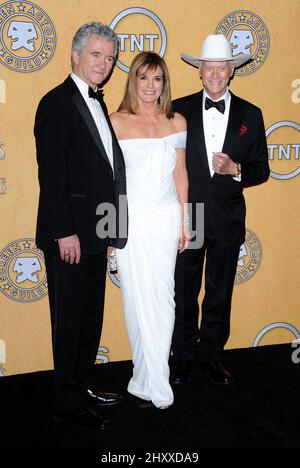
column 222, row 164
column 69, row 249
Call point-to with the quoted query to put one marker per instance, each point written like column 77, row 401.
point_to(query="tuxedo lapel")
column 235, row 118
column 87, row 116
column 115, row 144
column 196, row 128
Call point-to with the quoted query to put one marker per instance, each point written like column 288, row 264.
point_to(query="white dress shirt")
column 215, row 126
column 98, row 116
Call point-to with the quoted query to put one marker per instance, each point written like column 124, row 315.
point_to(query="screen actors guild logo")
column 27, row 36
column 241, row 41
column 3, row 186
column 22, row 271
column 26, row 268
column 22, row 34
column 246, row 33
column 296, row 93
column 138, row 30
column 284, row 155
column 249, row 258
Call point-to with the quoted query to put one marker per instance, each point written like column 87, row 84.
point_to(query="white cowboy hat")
column 216, row 48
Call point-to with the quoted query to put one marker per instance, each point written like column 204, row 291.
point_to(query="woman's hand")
column 185, row 237
column 109, row 251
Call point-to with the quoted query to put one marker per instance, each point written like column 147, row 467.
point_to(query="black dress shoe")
column 216, row 372
column 85, row 418
column 100, row 398
column 181, row 371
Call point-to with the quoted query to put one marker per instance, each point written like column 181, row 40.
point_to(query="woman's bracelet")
column 185, row 219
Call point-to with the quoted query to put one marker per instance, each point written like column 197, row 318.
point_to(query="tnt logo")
column 138, row 30
column 284, row 149
column 281, row 326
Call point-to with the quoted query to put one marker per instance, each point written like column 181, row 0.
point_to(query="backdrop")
column 34, row 57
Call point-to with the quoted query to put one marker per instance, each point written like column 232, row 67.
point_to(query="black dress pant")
column 76, row 296
column 207, row 343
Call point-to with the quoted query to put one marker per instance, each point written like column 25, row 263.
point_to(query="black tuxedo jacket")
column 245, row 142
column 74, row 171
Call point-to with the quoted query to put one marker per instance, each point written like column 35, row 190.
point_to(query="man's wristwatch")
column 238, row 171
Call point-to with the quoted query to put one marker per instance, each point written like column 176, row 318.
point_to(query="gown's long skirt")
column 147, row 264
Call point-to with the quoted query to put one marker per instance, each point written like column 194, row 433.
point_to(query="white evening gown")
column 146, row 265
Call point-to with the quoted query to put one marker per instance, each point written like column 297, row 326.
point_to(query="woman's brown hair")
column 144, row 62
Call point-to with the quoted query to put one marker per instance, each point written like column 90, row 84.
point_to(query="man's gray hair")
column 93, row 28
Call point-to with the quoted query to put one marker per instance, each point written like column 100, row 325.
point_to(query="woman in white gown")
column 153, row 141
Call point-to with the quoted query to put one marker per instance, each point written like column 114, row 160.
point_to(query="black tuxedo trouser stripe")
column 206, row 344
column 76, row 296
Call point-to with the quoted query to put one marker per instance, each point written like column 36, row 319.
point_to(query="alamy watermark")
column 114, row 223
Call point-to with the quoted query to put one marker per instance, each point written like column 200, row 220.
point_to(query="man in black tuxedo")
column 80, row 166
column 226, row 151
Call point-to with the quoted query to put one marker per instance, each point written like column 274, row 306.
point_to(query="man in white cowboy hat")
column 226, row 151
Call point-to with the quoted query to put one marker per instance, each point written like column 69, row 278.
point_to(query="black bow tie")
column 98, row 95
column 219, row 105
